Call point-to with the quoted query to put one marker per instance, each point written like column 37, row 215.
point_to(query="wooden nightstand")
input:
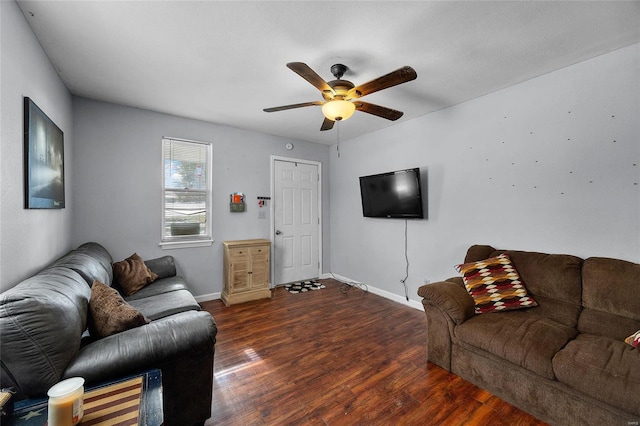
column 246, row 270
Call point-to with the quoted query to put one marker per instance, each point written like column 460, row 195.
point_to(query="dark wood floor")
column 333, row 358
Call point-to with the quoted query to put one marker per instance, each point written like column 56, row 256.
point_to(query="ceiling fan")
column 341, row 96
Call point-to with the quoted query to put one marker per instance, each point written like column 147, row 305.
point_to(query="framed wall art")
column 43, row 160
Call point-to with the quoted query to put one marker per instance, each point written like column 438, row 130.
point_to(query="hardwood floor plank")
column 331, row 358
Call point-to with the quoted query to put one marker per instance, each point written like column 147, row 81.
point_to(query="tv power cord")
column 406, row 258
column 347, row 286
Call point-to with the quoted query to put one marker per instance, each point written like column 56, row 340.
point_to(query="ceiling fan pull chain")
column 338, row 138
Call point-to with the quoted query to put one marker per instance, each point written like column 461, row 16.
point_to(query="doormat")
column 303, row 286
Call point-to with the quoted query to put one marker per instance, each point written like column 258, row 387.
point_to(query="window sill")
column 170, row 245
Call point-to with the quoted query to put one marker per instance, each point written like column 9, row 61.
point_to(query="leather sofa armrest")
column 451, row 297
column 172, row 339
column 163, row 267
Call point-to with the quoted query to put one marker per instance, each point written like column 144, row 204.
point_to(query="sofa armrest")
column 446, row 304
column 181, row 346
column 163, row 267
column 171, row 339
column 451, row 297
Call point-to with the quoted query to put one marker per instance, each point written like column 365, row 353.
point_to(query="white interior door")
column 296, row 221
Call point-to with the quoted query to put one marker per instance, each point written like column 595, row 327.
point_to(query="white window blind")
column 187, row 191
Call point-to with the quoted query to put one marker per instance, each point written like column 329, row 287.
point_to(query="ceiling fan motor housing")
column 338, row 70
column 340, row 87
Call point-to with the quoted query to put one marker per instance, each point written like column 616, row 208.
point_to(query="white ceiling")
column 224, row 61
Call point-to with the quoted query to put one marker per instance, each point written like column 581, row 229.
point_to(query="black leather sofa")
column 44, row 338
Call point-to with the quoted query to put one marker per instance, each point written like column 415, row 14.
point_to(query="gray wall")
column 550, row 165
column 29, row 239
column 118, row 190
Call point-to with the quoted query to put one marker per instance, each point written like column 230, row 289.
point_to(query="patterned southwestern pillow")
column 494, row 285
column 132, row 274
column 110, row 313
column 634, row 339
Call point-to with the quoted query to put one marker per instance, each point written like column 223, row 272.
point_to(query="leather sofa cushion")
column 163, row 267
column 520, row 337
column 604, row 368
column 91, row 261
column 165, row 304
column 41, row 321
column 160, row 286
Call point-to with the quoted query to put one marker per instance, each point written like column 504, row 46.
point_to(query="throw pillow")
column 494, row 285
column 110, row 313
column 132, row 274
column 634, row 339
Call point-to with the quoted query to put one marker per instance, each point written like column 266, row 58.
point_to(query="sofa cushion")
column 159, row 286
column 520, row 337
column 604, row 368
column 558, row 276
column 163, row 267
column 165, row 304
column 100, row 254
column 551, row 277
column 606, row 324
column 478, row 252
column 88, row 267
column 611, row 297
column 132, row 274
column 110, row 314
column 494, row 285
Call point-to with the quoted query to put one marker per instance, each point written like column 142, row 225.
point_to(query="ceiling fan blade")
column 284, row 107
column 399, row 76
column 380, row 111
column 327, row 124
column 304, row 71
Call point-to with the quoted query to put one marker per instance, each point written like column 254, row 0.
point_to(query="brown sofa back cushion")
column 611, row 296
column 554, row 280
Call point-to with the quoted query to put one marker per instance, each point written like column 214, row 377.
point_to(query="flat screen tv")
column 392, row 195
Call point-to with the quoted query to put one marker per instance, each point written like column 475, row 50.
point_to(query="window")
column 186, row 219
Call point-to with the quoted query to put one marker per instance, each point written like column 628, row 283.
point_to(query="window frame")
column 188, row 241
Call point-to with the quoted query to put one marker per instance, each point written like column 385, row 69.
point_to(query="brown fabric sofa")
column 564, row 361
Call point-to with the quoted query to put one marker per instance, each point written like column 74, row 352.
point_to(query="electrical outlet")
column 262, row 214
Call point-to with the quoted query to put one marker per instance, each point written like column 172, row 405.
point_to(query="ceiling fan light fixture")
column 338, row 109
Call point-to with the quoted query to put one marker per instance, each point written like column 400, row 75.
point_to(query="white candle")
column 65, row 405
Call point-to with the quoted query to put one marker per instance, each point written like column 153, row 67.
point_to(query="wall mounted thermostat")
column 289, row 146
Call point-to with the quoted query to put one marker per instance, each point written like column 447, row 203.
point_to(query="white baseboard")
column 207, row 297
column 384, row 293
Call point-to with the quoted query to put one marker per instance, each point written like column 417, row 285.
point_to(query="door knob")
column 278, row 232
